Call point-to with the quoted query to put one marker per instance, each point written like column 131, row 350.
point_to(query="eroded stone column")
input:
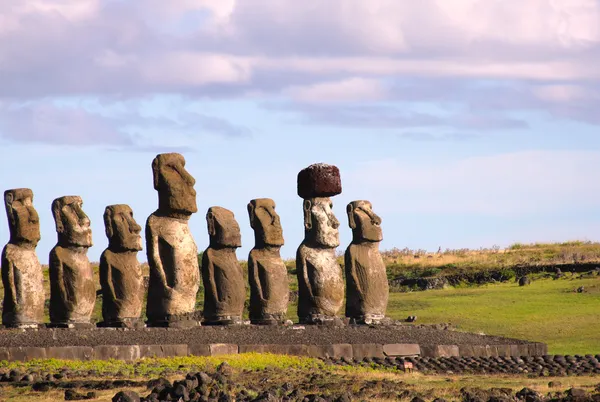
column 21, row 270
column 367, row 288
column 170, row 247
column 120, row 271
column 320, row 279
column 267, row 274
column 222, row 275
column 72, row 284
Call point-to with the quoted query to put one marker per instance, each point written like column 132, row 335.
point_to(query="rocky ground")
column 249, row 335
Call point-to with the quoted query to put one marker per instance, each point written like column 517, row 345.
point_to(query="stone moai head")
column 175, row 186
column 122, row 230
column 365, row 224
column 316, row 184
column 223, row 229
column 265, row 222
column 23, row 219
column 72, row 224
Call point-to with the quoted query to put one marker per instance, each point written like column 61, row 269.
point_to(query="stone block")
column 401, row 349
column 70, row 352
column 360, row 351
column 503, row 350
column 26, row 353
column 175, row 350
column 118, row 352
column 479, row 351
column 199, row 350
column 337, row 351
column 147, row 351
column 4, row 354
column 466, row 350
column 491, row 351
column 217, row 349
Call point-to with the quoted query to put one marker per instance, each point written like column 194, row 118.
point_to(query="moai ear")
column 251, row 214
column 108, row 215
column 307, row 216
column 350, row 211
column 210, row 222
column 56, row 207
column 155, row 172
column 8, row 201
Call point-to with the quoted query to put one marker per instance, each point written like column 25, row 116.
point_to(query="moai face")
column 223, row 229
column 365, row 224
column 265, row 222
column 23, row 219
column 174, row 184
column 320, row 224
column 122, row 230
column 72, row 224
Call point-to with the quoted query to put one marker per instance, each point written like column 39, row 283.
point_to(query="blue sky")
column 467, row 123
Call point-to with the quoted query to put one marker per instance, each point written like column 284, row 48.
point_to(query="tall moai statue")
column 320, row 279
column 367, row 288
column 120, row 272
column 267, row 274
column 72, row 285
column 170, row 247
column 21, row 270
column 222, row 275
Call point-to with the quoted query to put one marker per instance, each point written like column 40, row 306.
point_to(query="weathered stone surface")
column 367, row 288
column 320, row 279
column 118, row 352
column 293, row 350
column 24, row 354
column 367, row 350
column 70, row 352
column 319, row 180
column 22, row 277
column 222, row 275
column 163, row 350
column 401, row 349
column 170, row 247
column 440, row 350
column 120, row 272
column 223, row 349
column 72, row 285
column 267, row 274
column 336, row 350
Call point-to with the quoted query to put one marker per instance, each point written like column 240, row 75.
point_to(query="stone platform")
column 350, row 342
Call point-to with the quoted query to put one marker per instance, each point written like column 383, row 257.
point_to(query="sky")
column 466, row 123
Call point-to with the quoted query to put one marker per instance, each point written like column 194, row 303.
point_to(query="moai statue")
column 72, row 285
column 21, row 270
column 120, row 272
column 224, row 287
column 267, row 274
column 320, row 280
column 170, row 247
column 367, row 288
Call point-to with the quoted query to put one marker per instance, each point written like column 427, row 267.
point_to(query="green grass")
column 547, row 311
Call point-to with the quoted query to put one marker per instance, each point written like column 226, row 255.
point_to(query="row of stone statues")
column 172, row 257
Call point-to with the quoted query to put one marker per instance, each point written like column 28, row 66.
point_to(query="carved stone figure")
column 267, row 274
column 170, row 247
column 367, row 288
column 72, row 285
column 120, row 272
column 320, row 280
column 21, row 270
column 224, row 287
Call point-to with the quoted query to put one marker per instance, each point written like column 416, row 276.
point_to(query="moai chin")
column 224, row 287
column 367, row 288
column 72, row 285
column 21, row 270
column 120, row 272
column 320, row 280
column 170, row 247
column 267, row 274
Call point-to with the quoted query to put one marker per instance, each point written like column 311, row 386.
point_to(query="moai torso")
column 320, row 280
column 22, row 277
column 174, row 271
column 72, row 284
column 222, row 275
column 367, row 288
column 24, row 294
column 120, row 272
column 267, row 274
column 170, row 247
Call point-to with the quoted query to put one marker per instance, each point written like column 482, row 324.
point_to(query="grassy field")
column 254, row 371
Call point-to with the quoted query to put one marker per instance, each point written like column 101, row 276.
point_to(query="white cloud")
column 352, row 89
